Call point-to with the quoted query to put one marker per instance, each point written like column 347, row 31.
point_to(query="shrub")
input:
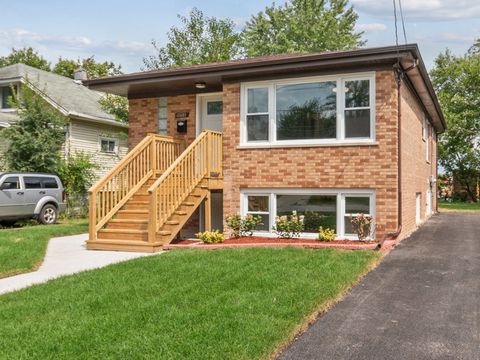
column 211, row 237
column 289, row 226
column 326, row 234
column 243, row 226
column 77, row 175
column 362, row 225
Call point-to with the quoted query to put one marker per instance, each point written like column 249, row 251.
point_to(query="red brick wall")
column 350, row 167
column 143, row 117
column 415, row 168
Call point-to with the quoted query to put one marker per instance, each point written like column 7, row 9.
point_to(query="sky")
column 122, row 31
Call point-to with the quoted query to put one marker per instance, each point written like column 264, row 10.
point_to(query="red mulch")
column 274, row 242
column 268, row 240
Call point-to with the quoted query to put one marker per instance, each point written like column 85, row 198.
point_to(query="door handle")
column 20, row 193
column 42, row 192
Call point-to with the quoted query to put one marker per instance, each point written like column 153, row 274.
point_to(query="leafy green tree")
column 27, row 56
column 200, row 40
column 35, row 140
column 115, row 105
column 456, row 80
column 302, row 26
column 94, row 69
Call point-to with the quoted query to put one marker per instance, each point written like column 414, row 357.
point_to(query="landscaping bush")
column 362, row 225
column 211, row 237
column 243, row 226
column 326, row 234
column 289, row 226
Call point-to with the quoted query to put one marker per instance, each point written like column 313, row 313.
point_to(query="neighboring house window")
column 108, row 146
column 327, row 208
column 5, row 95
column 309, row 110
column 162, row 116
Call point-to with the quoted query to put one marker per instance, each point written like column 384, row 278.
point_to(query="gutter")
column 80, row 116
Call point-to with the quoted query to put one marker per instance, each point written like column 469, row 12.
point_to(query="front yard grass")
column 458, row 206
column 23, row 249
column 185, row 304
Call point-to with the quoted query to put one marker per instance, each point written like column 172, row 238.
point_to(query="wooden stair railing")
column 202, row 159
column 153, row 155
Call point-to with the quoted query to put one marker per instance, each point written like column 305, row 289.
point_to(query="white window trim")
column 427, row 142
column 339, row 193
column 115, row 152
column 424, row 126
column 340, row 139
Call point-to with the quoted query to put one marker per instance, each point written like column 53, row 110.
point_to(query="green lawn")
column 185, row 304
column 458, row 206
column 22, row 249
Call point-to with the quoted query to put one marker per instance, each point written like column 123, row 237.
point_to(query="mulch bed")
column 274, row 242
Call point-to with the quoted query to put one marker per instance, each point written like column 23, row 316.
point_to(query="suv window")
column 32, row 182
column 49, row 183
column 11, row 183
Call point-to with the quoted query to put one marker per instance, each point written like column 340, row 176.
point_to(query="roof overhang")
column 182, row 80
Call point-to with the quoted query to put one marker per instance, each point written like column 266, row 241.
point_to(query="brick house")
column 327, row 134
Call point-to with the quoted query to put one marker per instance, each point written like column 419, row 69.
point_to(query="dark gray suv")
column 30, row 195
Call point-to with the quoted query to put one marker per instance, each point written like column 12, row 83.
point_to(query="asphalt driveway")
column 422, row 302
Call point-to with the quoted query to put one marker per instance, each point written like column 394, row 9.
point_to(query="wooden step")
column 123, row 234
column 132, row 214
column 138, row 224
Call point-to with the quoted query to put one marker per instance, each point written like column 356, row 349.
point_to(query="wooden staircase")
column 158, row 205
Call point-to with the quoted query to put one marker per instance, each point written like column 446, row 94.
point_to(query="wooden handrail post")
column 92, row 218
column 208, row 212
column 153, row 155
column 152, row 224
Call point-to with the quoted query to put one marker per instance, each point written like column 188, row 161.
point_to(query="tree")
column 116, row 106
column 302, row 26
column 67, row 67
column 35, row 140
column 200, row 40
column 456, row 80
column 26, row 56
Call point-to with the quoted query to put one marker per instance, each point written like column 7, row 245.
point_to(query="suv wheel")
column 48, row 215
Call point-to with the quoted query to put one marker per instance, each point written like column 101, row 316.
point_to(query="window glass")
column 257, row 127
column 49, row 183
column 11, row 183
column 319, row 210
column 355, row 205
column 357, row 123
column 259, row 206
column 257, row 100
column 357, row 93
column 214, row 107
column 108, row 146
column 357, row 112
column 162, row 116
column 306, row 111
column 32, row 182
column 6, row 92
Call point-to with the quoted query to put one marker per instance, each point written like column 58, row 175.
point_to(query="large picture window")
column 327, row 208
column 319, row 110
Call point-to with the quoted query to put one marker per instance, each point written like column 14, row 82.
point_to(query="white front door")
column 211, row 112
column 418, row 204
column 211, row 118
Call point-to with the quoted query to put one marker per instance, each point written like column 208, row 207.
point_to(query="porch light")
column 200, row 85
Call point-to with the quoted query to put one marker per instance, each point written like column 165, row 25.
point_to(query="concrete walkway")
column 422, row 302
column 65, row 256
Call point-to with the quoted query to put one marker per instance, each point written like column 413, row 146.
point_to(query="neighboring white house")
column 90, row 129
